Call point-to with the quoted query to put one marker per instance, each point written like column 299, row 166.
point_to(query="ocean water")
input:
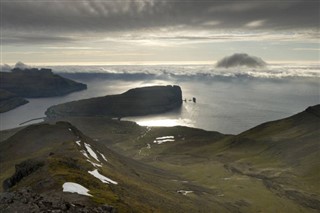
column 228, row 100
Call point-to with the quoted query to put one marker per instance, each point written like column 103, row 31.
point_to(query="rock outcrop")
column 135, row 102
column 26, row 200
column 23, row 169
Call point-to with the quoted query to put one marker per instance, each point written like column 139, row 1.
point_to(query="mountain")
column 273, row 167
column 36, row 83
column 9, row 101
column 135, row 102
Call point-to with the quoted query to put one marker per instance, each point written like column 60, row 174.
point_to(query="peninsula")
column 134, row 102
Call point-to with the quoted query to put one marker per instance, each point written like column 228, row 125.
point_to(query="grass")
column 249, row 172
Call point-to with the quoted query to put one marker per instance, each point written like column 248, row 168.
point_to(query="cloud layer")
column 62, row 20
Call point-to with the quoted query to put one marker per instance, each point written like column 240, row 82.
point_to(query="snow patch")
column 84, row 153
column 91, row 152
column 103, row 179
column 78, row 142
column 102, row 155
column 184, row 192
column 148, row 146
column 75, row 188
column 164, row 139
column 70, row 129
column 94, row 164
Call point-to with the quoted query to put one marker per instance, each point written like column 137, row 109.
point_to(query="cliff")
column 134, row 102
column 9, row 101
column 35, row 83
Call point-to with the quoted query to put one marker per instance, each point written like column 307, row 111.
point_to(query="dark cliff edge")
column 36, row 83
column 9, row 101
column 134, row 102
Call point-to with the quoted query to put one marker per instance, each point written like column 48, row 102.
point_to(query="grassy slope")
column 141, row 187
column 271, row 168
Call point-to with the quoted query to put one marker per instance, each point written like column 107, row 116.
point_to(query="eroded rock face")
column 26, row 200
column 23, row 169
column 135, row 102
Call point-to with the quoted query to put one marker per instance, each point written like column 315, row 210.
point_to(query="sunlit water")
column 228, row 104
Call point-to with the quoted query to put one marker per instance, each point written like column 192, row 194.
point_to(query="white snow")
column 75, row 188
column 164, row 139
column 84, row 153
column 91, row 152
column 70, row 129
column 103, row 179
column 104, row 157
column 184, row 192
column 94, row 164
column 148, row 146
column 78, row 142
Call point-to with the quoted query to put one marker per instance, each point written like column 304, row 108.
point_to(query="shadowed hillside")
column 35, row 83
column 135, row 102
column 9, row 101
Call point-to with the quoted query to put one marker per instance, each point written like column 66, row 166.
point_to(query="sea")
column 229, row 100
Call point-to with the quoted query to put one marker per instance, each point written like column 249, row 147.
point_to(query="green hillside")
column 273, row 167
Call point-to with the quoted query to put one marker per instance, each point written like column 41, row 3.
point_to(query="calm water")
column 228, row 105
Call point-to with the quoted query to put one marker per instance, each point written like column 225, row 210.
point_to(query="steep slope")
column 43, row 160
column 9, row 101
column 272, row 167
column 35, row 83
column 135, row 102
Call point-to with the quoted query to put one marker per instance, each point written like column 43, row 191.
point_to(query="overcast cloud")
column 124, row 15
column 149, row 22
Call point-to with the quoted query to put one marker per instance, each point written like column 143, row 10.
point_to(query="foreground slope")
column 272, row 167
column 39, row 160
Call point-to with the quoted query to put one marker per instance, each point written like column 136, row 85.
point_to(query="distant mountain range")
column 96, row 164
column 33, row 83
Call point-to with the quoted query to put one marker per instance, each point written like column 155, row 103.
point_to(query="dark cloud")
column 32, row 38
column 99, row 15
column 58, row 21
column 241, row 59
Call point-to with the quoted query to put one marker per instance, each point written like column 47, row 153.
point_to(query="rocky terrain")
column 36, row 83
column 124, row 167
column 135, row 102
column 9, row 101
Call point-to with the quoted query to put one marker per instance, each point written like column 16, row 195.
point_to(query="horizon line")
column 142, row 63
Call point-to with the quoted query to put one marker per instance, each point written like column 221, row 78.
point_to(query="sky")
column 82, row 32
